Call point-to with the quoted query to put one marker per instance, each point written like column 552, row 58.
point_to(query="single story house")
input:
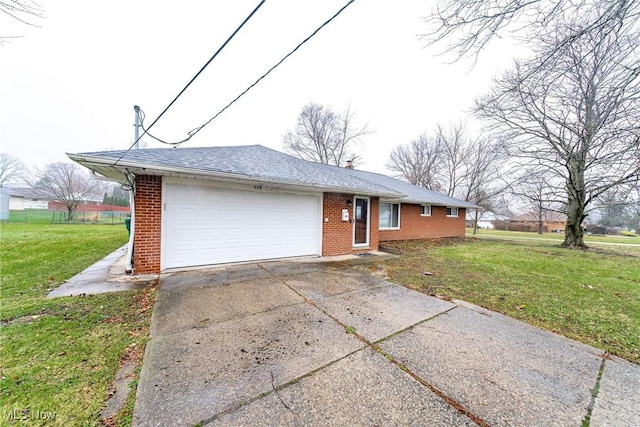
column 214, row 205
column 485, row 220
column 4, row 204
column 551, row 222
column 27, row 198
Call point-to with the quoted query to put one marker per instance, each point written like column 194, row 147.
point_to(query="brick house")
column 215, row 205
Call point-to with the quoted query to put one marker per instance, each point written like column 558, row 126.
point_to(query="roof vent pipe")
column 349, row 164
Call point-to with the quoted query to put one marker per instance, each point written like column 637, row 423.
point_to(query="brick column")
column 148, row 223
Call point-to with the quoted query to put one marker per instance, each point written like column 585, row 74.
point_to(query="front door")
column 361, row 222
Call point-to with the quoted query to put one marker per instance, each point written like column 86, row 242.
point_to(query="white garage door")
column 210, row 225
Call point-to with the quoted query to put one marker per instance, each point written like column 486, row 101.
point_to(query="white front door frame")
column 367, row 218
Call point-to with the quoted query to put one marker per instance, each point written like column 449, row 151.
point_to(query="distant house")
column 4, row 204
column 552, row 222
column 27, row 198
column 214, row 205
column 487, row 219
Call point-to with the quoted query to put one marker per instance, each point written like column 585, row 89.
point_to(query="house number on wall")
column 265, row 188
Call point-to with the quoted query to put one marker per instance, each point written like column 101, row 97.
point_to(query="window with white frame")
column 425, row 210
column 389, row 216
column 452, row 211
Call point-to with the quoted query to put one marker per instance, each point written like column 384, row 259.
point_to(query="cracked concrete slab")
column 289, row 268
column 361, row 389
column 378, row 312
column 201, row 306
column 504, row 371
column 618, row 399
column 331, row 281
column 195, row 374
column 223, row 340
column 226, row 275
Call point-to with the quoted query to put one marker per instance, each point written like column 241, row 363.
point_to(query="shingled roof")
column 255, row 163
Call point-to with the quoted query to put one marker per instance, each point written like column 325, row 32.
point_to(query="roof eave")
column 136, row 168
column 465, row 205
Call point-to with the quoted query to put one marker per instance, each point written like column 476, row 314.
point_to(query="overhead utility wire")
column 145, row 131
column 194, row 131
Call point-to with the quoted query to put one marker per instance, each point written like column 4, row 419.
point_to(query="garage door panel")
column 207, row 225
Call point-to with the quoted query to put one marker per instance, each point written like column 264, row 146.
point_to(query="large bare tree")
column 482, row 173
column 465, row 27
column 22, row 11
column 321, row 135
column 418, row 162
column 11, row 169
column 452, row 162
column 576, row 114
column 68, row 184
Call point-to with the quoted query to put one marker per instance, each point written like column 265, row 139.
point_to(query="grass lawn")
column 589, row 238
column 591, row 296
column 59, row 356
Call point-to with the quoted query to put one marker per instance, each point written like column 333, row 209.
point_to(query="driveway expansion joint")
column 349, row 329
column 594, row 392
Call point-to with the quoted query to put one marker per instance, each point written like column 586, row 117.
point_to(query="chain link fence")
column 45, row 216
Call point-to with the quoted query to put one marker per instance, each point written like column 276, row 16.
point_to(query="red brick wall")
column 337, row 235
column 148, row 217
column 414, row 226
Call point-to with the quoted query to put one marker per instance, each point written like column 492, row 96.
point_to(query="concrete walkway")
column 295, row 343
column 106, row 275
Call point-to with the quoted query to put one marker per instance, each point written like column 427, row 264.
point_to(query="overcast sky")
column 70, row 85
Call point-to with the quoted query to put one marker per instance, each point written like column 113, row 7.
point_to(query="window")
column 452, row 211
column 425, row 210
column 389, row 215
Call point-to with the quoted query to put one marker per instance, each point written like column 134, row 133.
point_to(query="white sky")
column 70, row 86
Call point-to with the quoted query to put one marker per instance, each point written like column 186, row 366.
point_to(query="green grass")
column 589, row 239
column 591, row 296
column 45, row 216
column 60, row 355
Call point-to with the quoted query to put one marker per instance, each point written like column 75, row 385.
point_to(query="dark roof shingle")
column 256, row 161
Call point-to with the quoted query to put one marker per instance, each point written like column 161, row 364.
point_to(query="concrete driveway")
column 303, row 343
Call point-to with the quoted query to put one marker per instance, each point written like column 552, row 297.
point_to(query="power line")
column 145, row 131
column 194, row 131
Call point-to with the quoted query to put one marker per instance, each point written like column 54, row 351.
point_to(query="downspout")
column 132, row 228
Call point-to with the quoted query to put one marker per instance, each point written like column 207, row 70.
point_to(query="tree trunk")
column 540, row 221
column 71, row 209
column 475, row 223
column 573, row 232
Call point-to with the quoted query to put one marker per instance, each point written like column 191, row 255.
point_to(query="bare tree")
column 418, row 162
column 467, row 26
column 619, row 207
column 577, row 115
column 21, row 11
column 538, row 193
column 453, row 163
column 455, row 145
column 482, row 174
column 68, row 184
column 11, row 169
column 324, row 136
